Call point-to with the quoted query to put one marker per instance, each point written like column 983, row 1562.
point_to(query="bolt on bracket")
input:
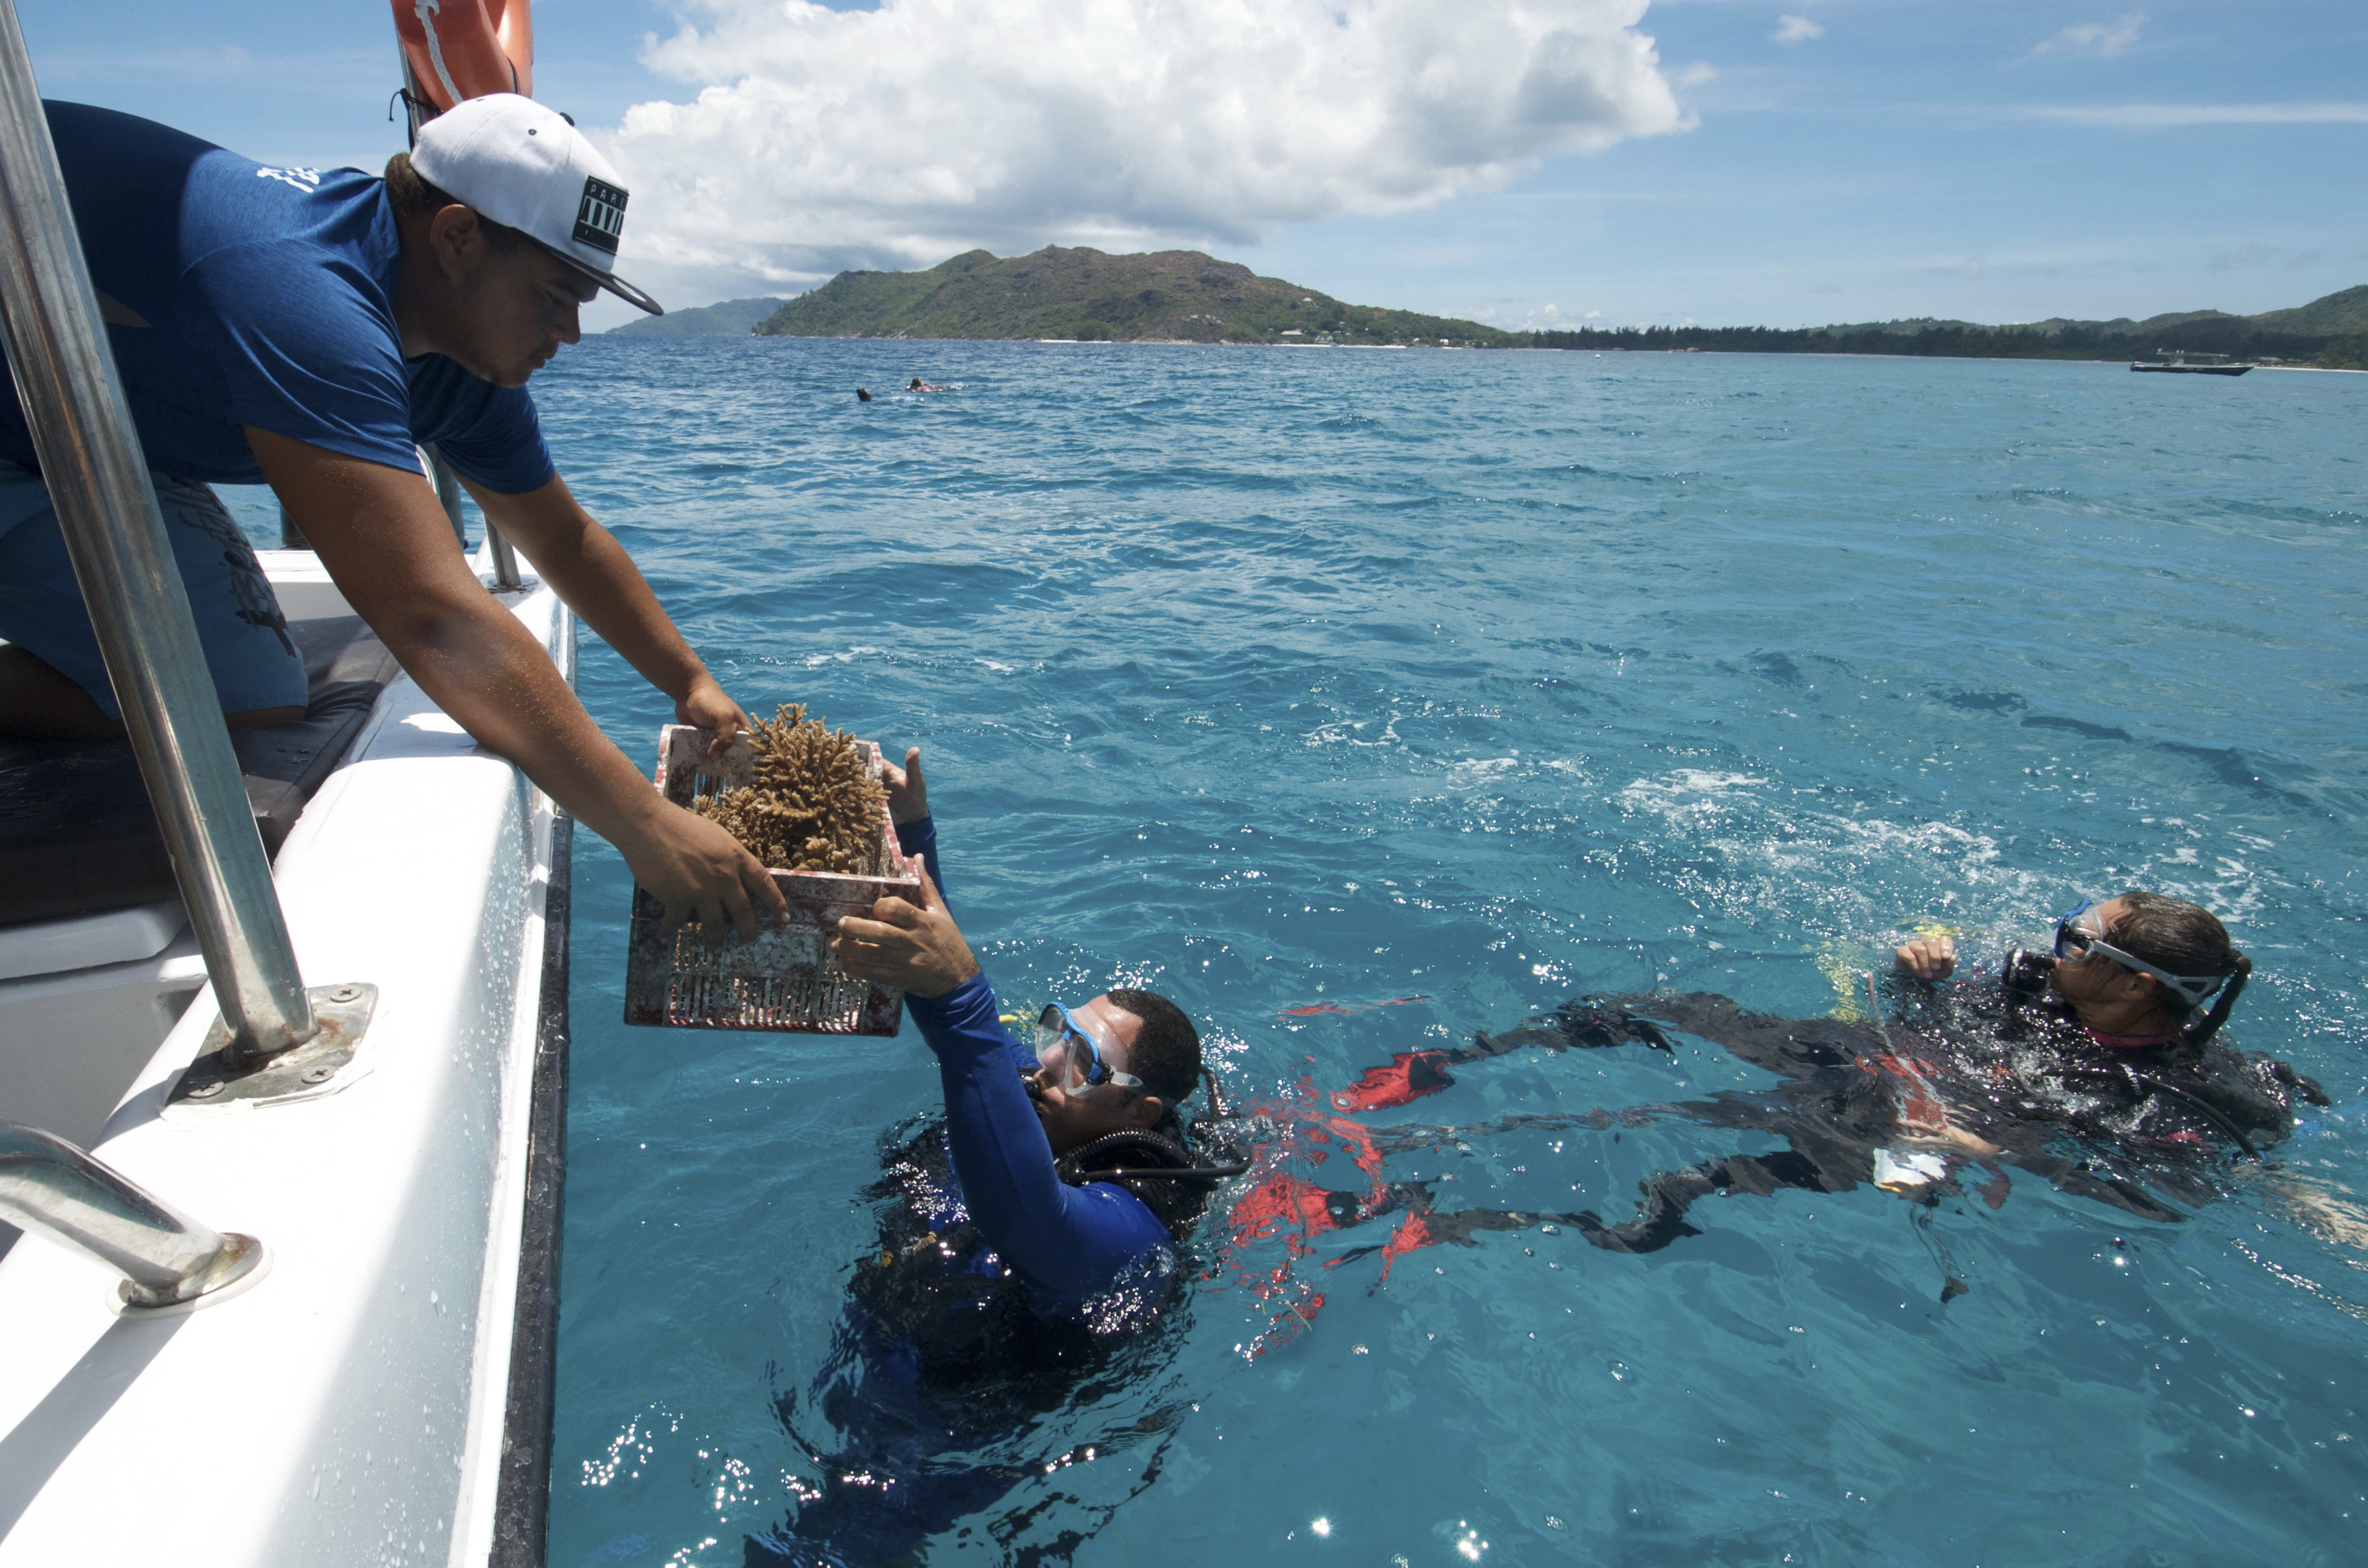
column 320, row 1066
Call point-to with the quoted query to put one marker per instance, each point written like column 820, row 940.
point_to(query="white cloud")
column 2106, row 40
column 1796, row 29
column 2159, row 117
column 821, row 139
column 1547, row 318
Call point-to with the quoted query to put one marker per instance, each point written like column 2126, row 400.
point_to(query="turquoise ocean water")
column 1275, row 679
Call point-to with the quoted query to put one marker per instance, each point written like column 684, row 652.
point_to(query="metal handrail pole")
column 447, row 491
column 65, row 377
column 448, row 495
column 49, row 1185
column 505, row 566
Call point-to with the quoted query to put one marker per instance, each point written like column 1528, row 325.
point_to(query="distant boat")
column 2179, row 362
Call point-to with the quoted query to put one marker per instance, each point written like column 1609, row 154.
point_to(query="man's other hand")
column 1928, row 957
column 706, row 706
column 908, row 797
column 701, row 872
column 915, row 948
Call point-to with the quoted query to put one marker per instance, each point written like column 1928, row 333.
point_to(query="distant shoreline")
column 1085, row 295
column 1506, row 348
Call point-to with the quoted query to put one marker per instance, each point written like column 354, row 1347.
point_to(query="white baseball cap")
column 526, row 167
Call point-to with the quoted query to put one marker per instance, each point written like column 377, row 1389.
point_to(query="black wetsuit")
column 2101, row 1122
column 939, row 1368
column 1851, row 1103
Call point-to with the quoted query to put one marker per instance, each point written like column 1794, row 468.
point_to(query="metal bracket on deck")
column 315, row 1068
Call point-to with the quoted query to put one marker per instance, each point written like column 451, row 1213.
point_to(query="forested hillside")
column 1178, row 296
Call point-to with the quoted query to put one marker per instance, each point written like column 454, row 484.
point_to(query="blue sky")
column 1779, row 165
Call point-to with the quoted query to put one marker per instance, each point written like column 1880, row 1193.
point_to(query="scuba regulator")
column 2025, row 978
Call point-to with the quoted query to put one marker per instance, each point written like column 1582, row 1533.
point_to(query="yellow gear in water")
column 1843, row 965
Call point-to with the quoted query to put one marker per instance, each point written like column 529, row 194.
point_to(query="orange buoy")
column 465, row 49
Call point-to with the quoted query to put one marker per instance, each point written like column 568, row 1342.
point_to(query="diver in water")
column 1030, row 1240
column 2096, row 1067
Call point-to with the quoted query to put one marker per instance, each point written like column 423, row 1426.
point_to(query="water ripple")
column 1283, row 678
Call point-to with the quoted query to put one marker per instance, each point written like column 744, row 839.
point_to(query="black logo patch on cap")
column 601, row 218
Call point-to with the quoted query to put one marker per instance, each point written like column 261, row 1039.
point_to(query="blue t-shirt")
column 239, row 295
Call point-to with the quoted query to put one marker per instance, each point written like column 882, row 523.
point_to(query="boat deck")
column 76, row 834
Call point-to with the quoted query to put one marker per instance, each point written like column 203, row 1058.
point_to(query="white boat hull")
column 348, row 1406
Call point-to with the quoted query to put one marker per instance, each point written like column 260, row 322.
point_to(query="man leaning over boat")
column 307, row 330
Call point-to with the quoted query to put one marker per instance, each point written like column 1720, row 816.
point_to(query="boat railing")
column 90, row 455
column 448, row 495
column 49, row 1186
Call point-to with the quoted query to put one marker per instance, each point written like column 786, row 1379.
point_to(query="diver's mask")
column 2081, row 934
column 1072, row 1055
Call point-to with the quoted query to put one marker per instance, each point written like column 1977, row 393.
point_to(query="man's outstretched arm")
column 390, row 548
column 587, row 568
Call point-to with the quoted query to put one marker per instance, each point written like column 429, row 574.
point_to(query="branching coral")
column 814, row 804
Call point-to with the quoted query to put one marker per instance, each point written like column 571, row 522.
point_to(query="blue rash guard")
column 1069, row 1243
column 237, row 294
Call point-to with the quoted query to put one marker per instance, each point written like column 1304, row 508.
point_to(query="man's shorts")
column 244, row 636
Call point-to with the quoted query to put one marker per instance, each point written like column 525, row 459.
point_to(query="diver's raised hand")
column 908, row 797
column 1928, row 957
column 914, row 947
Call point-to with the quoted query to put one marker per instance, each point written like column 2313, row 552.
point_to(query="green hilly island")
column 1085, row 296
column 1180, row 296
